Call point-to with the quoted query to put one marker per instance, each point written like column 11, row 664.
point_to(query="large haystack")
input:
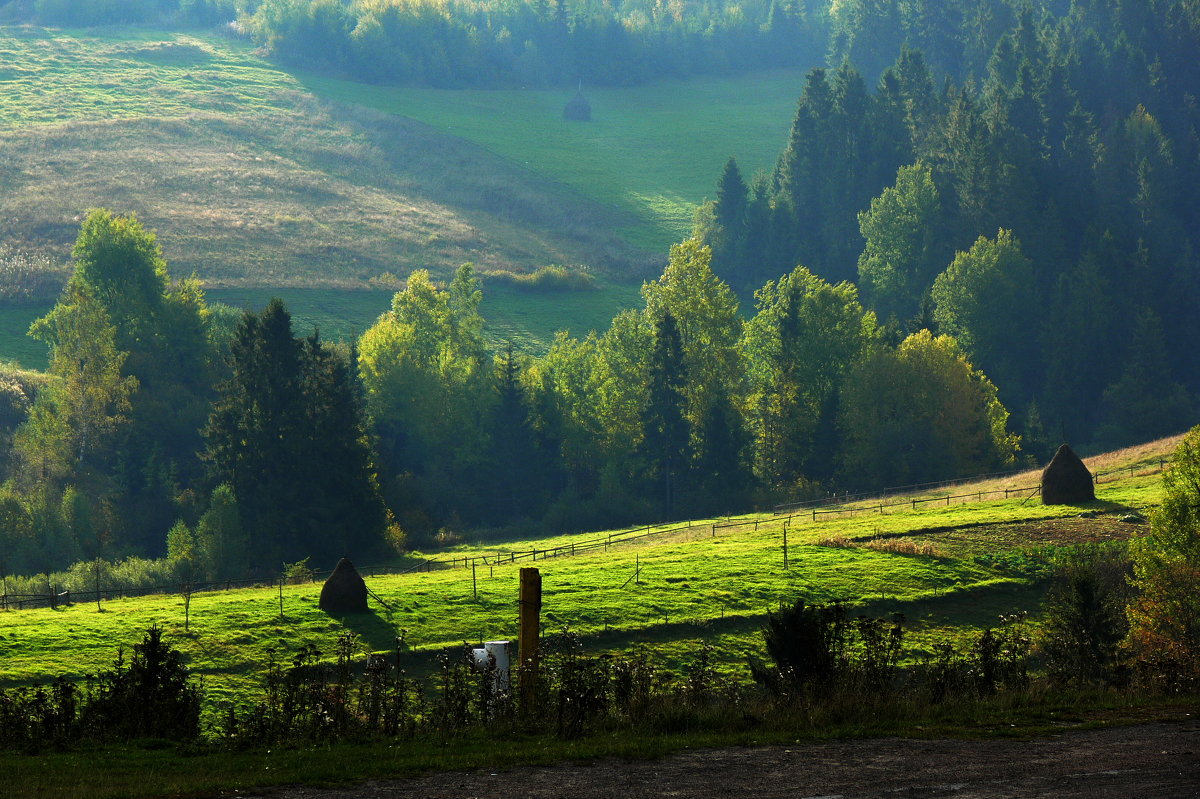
column 578, row 109
column 1065, row 480
column 344, row 591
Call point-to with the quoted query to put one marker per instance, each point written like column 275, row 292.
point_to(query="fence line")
column 810, row 514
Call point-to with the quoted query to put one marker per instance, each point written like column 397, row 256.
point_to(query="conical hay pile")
column 1066, row 480
column 578, row 109
column 344, row 591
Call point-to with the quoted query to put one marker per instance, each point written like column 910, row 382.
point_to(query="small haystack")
column 578, row 109
column 344, row 591
column 1065, row 480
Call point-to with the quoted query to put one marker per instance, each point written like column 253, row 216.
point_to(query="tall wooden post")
column 530, row 601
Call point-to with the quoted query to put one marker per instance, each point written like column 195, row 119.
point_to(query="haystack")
column 578, row 109
column 1065, row 480
column 344, row 591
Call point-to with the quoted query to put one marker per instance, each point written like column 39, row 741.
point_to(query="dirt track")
column 1153, row 760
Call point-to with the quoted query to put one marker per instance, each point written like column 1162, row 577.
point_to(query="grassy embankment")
column 255, row 177
column 692, row 587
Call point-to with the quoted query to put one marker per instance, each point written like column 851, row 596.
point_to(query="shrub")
column 153, row 698
column 1165, row 617
column 1085, row 617
column 817, row 649
column 545, row 280
column 997, row 659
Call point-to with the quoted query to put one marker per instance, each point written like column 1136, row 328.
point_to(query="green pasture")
column 54, row 76
column 655, row 150
column 689, row 587
column 528, row 319
column 15, row 342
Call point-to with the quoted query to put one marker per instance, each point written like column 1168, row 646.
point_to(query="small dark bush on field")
column 817, row 649
column 1085, row 617
column 997, row 659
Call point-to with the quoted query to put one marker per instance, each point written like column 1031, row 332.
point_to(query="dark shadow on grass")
column 375, row 628
column 978, row 607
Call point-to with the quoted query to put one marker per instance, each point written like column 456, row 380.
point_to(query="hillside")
column 695, row 583
column 256, row 176
column 251, row 180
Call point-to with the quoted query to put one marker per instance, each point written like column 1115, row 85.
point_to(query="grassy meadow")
column 631, row 154
column 257, row 176
column 528, row 319
column 985, row 559
column 262, row 181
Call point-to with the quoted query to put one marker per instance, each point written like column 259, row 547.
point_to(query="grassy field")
column 256, row 175
column 691, row 587
column 630, row 154
column 527, row 319
column 250, row 179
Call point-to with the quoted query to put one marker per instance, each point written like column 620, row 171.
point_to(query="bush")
column 153, row 697
column 1085, row 617
column 545, row 280
column 997, row 659
column 817, row 649
column 1165, row 617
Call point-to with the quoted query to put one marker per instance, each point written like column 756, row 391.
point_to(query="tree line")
column 230, row 444
column 554, row 43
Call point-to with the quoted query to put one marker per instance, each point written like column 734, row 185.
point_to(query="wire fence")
column 846, row 507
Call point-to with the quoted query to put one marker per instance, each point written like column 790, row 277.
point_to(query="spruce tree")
column 665, row 430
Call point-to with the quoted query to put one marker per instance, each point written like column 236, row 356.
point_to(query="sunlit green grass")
column 691, row 586
column 654, row 151
column 15, row 342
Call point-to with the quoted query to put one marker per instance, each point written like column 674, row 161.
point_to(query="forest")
column 974, row 246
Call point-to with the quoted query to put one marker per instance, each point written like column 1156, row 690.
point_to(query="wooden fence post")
column 529, row 600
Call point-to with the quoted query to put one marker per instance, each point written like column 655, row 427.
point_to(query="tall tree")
column 666, row 434
column 988, row 300
column 288, row 434
column 796, row 351
column 77, row 418
column 920, row 412
column 903, row 231
column 255, row 432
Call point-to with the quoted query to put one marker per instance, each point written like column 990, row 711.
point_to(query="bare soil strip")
column 1153, row 760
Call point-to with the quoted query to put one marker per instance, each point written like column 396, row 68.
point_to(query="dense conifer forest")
column 976, row 243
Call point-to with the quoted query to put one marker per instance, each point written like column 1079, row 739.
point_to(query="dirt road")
column 1153, row 760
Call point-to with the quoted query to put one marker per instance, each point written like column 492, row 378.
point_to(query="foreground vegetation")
column 326, row 690
column 991, row 558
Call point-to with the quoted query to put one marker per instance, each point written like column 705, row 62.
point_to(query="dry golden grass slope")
column 251, row 180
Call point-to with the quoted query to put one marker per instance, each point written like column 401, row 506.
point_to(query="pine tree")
column 665, row 430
